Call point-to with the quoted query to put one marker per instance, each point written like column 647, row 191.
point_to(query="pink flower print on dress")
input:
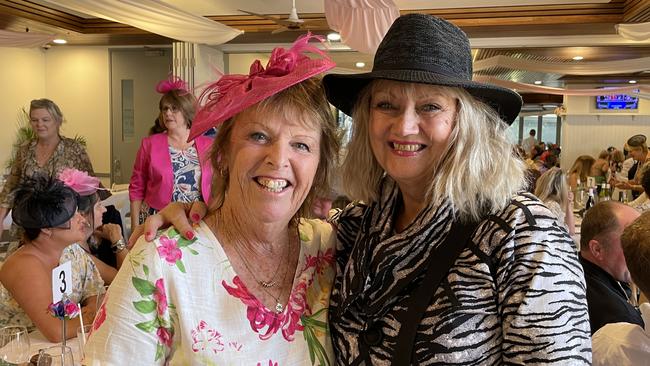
column 164, row 336
column 160, row 297
column 258, row 315
column 205, row 338
column 168, row 250
column 271, row 363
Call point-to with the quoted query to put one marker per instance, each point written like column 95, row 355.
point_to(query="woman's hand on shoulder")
column 176, row 214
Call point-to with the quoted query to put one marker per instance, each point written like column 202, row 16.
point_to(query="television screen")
column 617, row 101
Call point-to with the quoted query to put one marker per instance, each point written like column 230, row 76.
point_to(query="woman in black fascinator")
column 47, row 211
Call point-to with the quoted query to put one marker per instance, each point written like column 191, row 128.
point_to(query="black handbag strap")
column 420, row 299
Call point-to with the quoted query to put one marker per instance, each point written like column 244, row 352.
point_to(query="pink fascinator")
column 172, row 83
column 233, row 93
column 79, row 181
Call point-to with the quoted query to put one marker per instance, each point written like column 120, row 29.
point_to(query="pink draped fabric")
column 361, row 23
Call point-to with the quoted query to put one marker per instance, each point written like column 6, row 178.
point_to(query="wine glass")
column 58, row 355
column 14, row 341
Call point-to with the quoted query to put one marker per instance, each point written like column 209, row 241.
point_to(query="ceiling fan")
column 293, row 22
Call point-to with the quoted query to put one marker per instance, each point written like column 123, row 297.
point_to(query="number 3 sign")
column 61, row 281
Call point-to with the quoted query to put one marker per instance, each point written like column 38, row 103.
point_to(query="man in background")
column 625, row 343
column 529, row 142
column 606, row 273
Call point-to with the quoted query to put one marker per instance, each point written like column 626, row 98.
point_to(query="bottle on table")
column 590, row 199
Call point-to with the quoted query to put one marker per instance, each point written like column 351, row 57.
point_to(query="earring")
column 223, row 171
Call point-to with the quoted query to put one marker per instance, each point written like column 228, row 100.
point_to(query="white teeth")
column 407, row 147
column 273, row 185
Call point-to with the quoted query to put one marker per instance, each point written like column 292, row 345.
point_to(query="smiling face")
column 410, row 126
column 272, row 160
column 43, row 124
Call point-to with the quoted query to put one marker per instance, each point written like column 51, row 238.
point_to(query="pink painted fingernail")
column 189, row 235
column 196, row 217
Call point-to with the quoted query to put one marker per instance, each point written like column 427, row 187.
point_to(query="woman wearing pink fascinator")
column 250, row 285
column 92, row 272
column 169, row 167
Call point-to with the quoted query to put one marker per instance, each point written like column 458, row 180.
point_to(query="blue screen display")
column 617, row 101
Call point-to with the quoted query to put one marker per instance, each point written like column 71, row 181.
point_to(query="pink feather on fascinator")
column 234, row 93
column 79, row 181
column 172, row 83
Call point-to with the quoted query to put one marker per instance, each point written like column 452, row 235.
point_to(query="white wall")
column 587, row 131
column 22, row 75
column 240, row 63
column 78, row 80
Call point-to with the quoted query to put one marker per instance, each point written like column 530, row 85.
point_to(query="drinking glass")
column 83, row 337
column 58, row 355
column 14, row 341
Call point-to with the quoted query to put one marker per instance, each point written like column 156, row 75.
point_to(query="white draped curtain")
column 156, row 17
column 362, row 24
column 634, row 31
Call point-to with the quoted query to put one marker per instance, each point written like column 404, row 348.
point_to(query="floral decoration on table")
column 64, row 309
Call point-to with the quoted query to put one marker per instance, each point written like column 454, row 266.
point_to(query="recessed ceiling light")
column 578, row 58
column 59, row 41
column 538, row 82
column 632, row 81
column 333, row 37
column 360, row 64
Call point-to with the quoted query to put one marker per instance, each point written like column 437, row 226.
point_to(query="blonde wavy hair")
column 553, row 186
column 305, row 102
column 478, row 153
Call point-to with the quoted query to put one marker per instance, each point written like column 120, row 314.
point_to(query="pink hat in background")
column 79, row 181
column 233, row 93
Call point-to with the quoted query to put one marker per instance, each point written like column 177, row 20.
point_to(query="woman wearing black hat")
column 445, row 263
column 47, row 210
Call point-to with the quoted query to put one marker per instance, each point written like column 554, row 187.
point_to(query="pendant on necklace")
column 267, row 284
column 278, row 308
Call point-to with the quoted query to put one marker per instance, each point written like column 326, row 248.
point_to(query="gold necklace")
column 278, row 306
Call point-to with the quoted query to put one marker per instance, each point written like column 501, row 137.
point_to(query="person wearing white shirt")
column 624, row 344
column 529, row 142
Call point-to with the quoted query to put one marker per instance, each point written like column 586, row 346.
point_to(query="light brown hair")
column 49, row 106
column 582, row 166
column 183, row 100
column 636, row 248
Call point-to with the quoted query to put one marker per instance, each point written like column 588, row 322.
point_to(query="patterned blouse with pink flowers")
column 179, row 302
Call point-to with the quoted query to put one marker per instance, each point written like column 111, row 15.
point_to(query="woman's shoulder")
column 523, row 208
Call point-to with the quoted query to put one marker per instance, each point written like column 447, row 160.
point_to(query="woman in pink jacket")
column 168, row 168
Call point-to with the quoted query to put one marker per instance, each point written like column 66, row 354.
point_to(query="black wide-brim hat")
column 424, row 49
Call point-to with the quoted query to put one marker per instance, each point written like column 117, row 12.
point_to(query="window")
column 548, row 128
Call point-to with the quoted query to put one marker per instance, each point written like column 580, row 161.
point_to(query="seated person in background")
column 47, row 211
column 623, row 343
column 580, row 171
column 92, row 209
column 600, row 168
column 604, row 265
column 552, row 189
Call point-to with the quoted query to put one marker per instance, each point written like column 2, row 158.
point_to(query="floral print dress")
column 179, row 302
